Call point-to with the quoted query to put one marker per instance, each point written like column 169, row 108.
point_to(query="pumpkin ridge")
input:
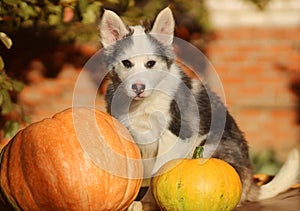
column 5, row 203
column 126, row 141
column 58, row 187
column 127, row 184
column 227, row 183
column 12, row 198
column 86, row 155
column 23, row 175
column 15, row 202
column 104, row 169
column 89, row 156
column 123, row 141
column 50, row 165
column 9, row 203
column 223, row 172
column 179, row 185
column 63, row 124
column 112, row 126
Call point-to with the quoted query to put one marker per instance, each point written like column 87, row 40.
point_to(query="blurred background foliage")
column 41, row 28
column 8, row 89
column 265, row 162
column 72, row 19
column 51, row 30
column 75, row 20
column 38, row 28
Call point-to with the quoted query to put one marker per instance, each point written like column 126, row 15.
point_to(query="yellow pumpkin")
column 197, row 184
column 80, row 159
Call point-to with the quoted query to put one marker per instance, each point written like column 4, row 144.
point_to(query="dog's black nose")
column 138, row 88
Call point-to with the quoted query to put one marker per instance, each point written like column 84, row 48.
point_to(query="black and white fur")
column 168, row 113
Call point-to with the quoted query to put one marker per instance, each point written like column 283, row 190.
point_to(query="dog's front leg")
column 136, row 206
column 147, row 203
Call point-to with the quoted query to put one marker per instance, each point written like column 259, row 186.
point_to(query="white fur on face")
column 140, row 74
column 140, row 51
column 141, row 45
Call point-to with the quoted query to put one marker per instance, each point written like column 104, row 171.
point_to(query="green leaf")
column 11, row 127
column 32, row 1
column 6, row 84
column 26, row 11
column 1, row 63
column 92, row 13
column 88, row 17
column 55, row 14
column 3, row 77
column 269, row 168
column 17, row 85
column 11, row 2
column 54, row 9
column 26, row 119
column 82, row 6
column 5, row 40
column 6, row 104
column 54, row 19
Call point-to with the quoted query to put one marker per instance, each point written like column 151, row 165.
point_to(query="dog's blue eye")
column 150, row 64
column 127, row 63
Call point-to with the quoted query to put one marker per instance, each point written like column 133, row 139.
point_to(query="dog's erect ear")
column 164, row 25
column 112, row 28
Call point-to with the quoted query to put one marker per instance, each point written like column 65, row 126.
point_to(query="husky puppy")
column 168, row 113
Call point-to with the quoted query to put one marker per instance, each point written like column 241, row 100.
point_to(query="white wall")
column 232, row 13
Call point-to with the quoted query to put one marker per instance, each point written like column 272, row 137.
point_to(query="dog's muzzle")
column 138, row 88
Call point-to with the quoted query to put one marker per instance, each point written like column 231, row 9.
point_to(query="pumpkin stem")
column 198, row 153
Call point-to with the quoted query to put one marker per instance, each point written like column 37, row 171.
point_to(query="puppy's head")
column 137, row 58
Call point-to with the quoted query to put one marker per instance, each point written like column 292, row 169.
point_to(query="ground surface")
column 287, row 201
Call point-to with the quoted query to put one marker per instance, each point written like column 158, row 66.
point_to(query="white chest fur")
column 148, row 122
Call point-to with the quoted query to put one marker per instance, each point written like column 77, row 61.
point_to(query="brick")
column 258, row 125
column 255, row 66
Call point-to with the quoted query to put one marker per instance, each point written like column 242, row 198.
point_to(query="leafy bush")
column 265, row 162
column 61, row 16
column 72, row 18
column 7, row 87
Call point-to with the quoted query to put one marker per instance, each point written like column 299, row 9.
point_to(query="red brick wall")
column 44, row 97
column 256, row 66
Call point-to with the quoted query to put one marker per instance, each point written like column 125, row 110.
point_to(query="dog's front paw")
column 135, row 206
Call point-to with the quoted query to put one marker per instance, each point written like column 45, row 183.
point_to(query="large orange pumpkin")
column 197, row 184
column 80, row 159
